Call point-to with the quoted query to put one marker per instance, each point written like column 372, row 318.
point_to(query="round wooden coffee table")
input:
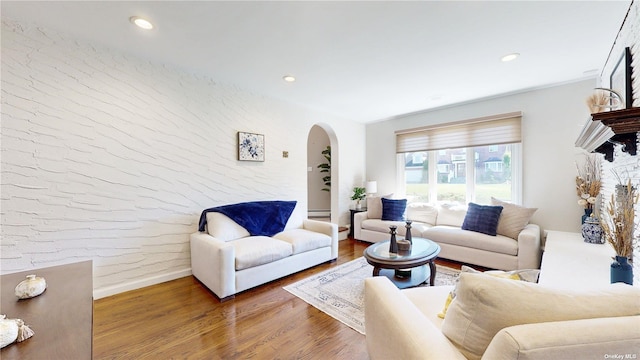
column 405, row 269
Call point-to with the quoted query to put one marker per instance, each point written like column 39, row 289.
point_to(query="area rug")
column 339, row 291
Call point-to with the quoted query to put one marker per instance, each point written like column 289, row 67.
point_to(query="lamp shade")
column 371, row 187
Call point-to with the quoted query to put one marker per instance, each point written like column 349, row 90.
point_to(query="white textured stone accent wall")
column 625, row 165
column 111, row 158
column 629, row 36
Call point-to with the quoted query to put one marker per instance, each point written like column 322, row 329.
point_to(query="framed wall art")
column 250, row 146
column 621, row 78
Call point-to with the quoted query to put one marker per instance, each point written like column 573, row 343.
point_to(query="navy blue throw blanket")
column 265, row 218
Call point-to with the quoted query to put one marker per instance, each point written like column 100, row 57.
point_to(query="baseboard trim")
column 318, row 213
column 138, row 284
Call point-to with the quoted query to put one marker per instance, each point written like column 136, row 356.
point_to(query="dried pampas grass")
column 618, row 221
column 598, row 101
column 588, row 181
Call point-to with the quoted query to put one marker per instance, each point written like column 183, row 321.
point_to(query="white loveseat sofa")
column 227, row 259
column 516, row 245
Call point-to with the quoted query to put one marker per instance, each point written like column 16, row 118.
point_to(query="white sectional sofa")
column 516, row 245
column 497, row 318
column 227, row 259
column 493, row 318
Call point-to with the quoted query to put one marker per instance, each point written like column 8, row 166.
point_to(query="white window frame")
column 516, row 175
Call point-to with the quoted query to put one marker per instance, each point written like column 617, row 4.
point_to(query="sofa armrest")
column 396, row 329
column 213, row 263
column 358, row 218
column 529, row 247
column 575, row 339
column 326, row 228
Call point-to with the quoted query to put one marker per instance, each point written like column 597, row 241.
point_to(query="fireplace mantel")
column 605, row 129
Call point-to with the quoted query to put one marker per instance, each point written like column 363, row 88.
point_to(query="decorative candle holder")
column 408, row 233
column 393, row 244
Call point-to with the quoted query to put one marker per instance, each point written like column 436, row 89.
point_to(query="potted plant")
column 326, row 168
column 359, row 193
column 618, row 224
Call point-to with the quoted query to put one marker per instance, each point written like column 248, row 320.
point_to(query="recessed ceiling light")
column 141, row 23
column 510, row 57
column 289, row 78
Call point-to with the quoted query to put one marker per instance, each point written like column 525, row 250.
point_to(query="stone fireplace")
column 615, row 135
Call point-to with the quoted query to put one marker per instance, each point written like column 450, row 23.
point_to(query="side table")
column 353, row 212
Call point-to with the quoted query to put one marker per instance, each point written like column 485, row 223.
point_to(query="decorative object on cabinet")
column 621, row 79
column 30, row 287
column 250, row 146
column 592, row 231
column 588, row 183
column 13, row 330
column 618, row 225
column 621, row 271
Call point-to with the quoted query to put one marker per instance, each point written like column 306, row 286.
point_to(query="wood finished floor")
column 182, row 319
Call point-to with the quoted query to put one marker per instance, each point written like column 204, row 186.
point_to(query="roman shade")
column 489, row 130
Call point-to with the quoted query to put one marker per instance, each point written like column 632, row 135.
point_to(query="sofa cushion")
column 451, row 214
column 484, row 305
column 530, row 275
column 471, row 239
column 482, row 219
column 429, row 300
column 417, row 229
column 374, row 206
column 549, row 340
column 221, row 227
column 513, row 219
column 257, row 250
column 393, row 210
column 304, row 240
column 422, row 212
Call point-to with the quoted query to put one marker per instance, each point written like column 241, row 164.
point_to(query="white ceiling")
column 361, row 60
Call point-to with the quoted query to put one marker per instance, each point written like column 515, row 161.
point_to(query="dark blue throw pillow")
column 482, row 218
column 393, row 209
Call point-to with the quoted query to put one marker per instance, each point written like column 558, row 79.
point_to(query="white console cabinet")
column 570, row 263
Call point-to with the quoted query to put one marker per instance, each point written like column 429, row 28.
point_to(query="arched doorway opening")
column 322, row 204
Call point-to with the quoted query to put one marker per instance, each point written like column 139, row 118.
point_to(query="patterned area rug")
column 339, row 292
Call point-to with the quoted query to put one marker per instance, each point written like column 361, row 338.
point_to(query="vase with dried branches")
column 588, row 183
column 618, row 225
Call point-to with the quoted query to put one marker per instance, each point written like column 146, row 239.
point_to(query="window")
column 493, row 166
column 465, row 173
column 492, row 176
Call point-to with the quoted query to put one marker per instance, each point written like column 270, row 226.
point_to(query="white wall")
column 111, row 158
column 552, row 119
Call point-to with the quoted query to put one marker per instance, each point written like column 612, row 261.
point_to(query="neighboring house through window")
column 474, row 160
